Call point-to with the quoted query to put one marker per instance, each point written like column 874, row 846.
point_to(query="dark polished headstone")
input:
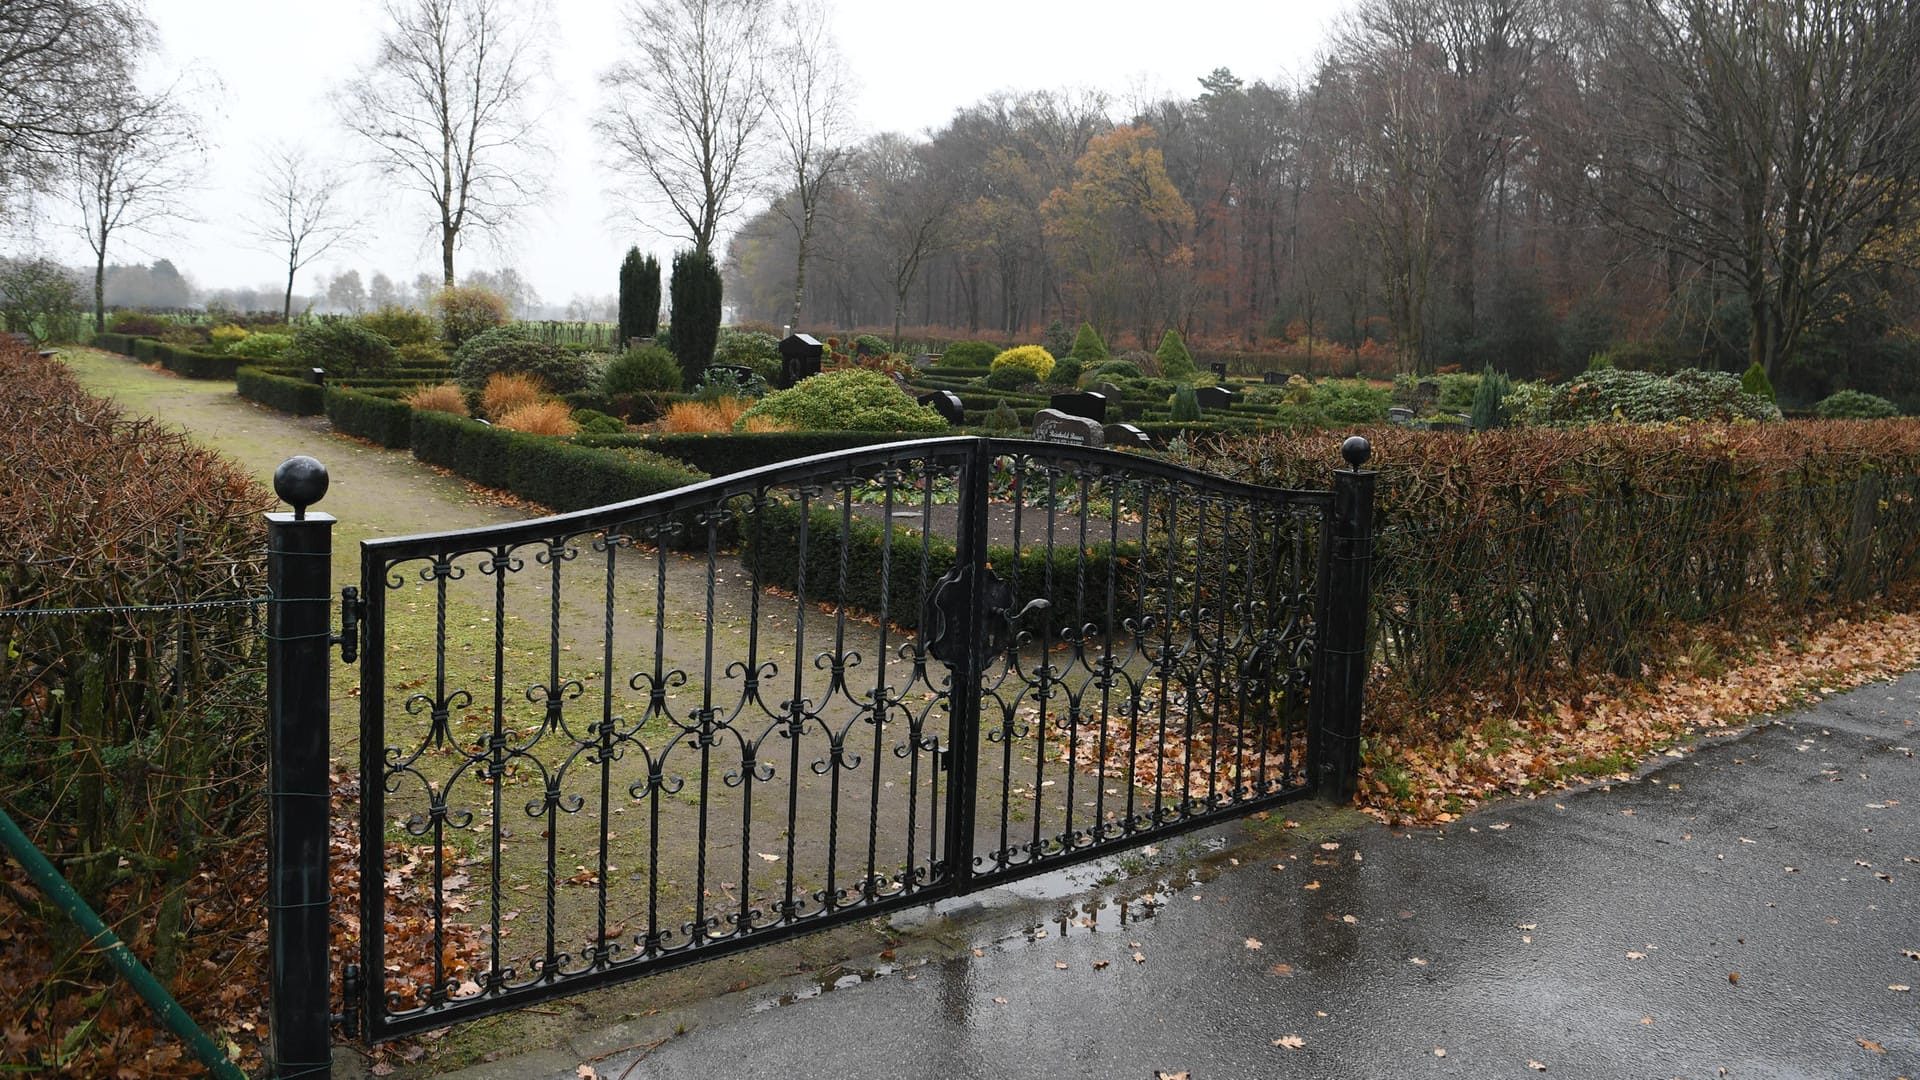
column 1085, row 403
column 1212, row 398
column 800, row 357
column 947, row 404
column 1126, row 435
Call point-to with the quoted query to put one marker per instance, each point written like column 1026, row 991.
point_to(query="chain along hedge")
column 1508, row 555
column 300, row 397
column 874, row 582
column 382, row 420
column 549, row 471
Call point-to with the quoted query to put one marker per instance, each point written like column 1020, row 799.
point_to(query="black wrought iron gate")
column 612, row 742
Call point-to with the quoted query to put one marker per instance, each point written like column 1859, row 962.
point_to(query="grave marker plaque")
column 1085, row 403
column 1054, row 426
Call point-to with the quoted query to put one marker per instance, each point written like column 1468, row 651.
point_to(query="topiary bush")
column 968, row 354
column 594, row 422
column 1032, row 361
column 1755, row 382
column 340, row 345
column 401, row 325
column 1066, row 371
column 870, row 345
column 1174, row 359
column 1008, row 379
column 648, row 369
column 467, row 311
column 1855, row 405
column 1088, row 348
column 1184, row 406
column 1489, row 408
column 509, row 349
column 850, row 399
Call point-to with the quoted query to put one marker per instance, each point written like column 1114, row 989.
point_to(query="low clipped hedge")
column 552, row 472
column 721, row 455
column 289, row 395
column 384, row 420
column 193, row 364
column 120, row 343
column 771, row 549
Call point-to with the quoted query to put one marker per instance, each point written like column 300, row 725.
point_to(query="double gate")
column 612, row 742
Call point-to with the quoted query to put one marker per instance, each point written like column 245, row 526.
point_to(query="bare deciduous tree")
column 685, row 113
column 130, row 175
column 809, row 109
column 907, row 211
column 300, row 210
column 62, row 62
column 445, row 105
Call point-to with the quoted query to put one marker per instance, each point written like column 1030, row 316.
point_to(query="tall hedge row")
column 1512, row 554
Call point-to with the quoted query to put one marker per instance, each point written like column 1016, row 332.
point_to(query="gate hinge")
column 352, row 610
column 350, row 990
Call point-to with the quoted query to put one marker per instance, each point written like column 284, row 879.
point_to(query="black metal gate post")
column 1340, row 656
column 299, row 635
column 969, row 626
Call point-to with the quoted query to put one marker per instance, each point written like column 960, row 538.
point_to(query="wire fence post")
column 1340, row 658
column 299, row 584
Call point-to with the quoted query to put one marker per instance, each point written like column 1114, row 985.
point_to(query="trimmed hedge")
column 552, row 472
column 289, row 395
column 194, row 364
column 770, row 548
column 120, row 343
column 721, row 455
column 382, row 420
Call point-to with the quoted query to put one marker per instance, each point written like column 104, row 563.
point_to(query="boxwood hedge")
column 297, row 396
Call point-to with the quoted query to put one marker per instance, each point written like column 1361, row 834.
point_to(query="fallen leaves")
column 1290, row 1042
column 1870, row 1046
column 1536, row 1066
column 1253, row 943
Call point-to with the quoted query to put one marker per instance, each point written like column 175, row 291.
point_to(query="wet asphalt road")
column 1739, row 911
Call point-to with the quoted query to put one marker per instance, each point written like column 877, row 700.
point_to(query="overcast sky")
column 915, row 66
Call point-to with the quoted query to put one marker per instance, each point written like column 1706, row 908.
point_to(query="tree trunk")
column 286, row 310
column 100, row 291
column 447, row 236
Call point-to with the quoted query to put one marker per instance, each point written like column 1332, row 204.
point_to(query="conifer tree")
column 696, row 312
column 1175, row 361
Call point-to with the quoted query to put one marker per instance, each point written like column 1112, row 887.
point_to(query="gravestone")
column 799, row 358
column 1127, row 436
column 1054, row 426
column 1107, row 390
column 1219, row 369
column 947, row 404
column 1085, row 403
column 1426, row 393
column 1212, row 398
column 1275, row 378
column 1400, row 415
column 1448, row 423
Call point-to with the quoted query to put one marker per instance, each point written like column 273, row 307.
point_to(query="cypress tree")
column 649, row 307
column 1755, row 381
column 1489, row 401
column 695, row 286
column 631, row 298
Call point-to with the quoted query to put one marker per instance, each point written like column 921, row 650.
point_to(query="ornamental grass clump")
column 446, row 398
column 702, row 417
column 510, row 391
column 540, row 418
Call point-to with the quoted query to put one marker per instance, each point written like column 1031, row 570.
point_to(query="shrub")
column 750, row 349
column 1489, row 400
column 297, row 397
column 466, row 311
column 550, row 472
column 595, row 422
column 1755, row 382
column 1642, row 397
column 1350, row 401
column 1056, row 339
column 1115, row 370
column 870, row 345
column 847, row 400
column 506, row 392
column 136, row 324
column 1066, row 371
column 446, row 398
column 719, row 382
column 702, row 417
column 648, row 369
column 1002, row 418
column 539, row 418
column 227, row 335
column 1185, row 404
column 421, row 354
column 1172, row 355
column 696, row 312
column 401, row 325
column 969, row 354
column 261, row 346
column 510, row 349
column 1087, row 346
column 341, row 346
column 1457, row 391
column 1855, row 405
column 195, row 364
column 1032, row 361
column 1008, row 379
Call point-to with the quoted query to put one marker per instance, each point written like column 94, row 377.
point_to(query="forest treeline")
column 1525, row 183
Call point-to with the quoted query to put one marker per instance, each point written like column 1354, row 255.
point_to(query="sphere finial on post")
column 300, row 482
column 1356, row 450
